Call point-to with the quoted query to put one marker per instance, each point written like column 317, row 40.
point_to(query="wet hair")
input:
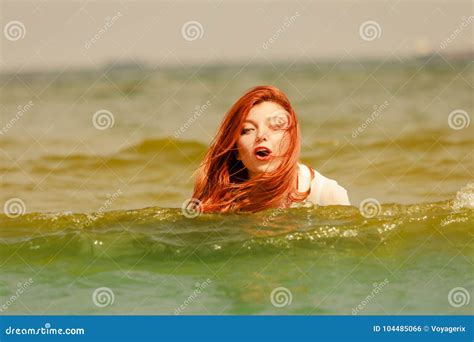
column 222, row 181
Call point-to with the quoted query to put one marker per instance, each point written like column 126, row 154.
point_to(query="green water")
column 329, row 259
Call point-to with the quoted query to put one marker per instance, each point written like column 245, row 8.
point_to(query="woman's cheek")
column 279, row 144
column 245, row 144
column 243, row 147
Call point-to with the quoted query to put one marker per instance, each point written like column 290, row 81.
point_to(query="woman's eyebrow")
column 251, row 121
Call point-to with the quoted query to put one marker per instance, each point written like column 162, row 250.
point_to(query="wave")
column 429, row 139
column 178, row 151
column 167, row 233
column 166, row 144
column 173, row 151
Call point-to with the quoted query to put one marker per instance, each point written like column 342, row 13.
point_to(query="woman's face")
column 263, row 140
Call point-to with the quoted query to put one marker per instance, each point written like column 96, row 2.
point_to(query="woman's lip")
column 267, row 157
column 259, row 148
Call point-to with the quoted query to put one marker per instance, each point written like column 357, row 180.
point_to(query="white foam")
column 464, row 197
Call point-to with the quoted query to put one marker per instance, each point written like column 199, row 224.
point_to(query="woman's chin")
column 264, row 168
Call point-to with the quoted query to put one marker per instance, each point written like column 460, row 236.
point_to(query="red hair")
column 222, row 182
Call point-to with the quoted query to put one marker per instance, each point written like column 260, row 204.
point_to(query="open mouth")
column 263, row 153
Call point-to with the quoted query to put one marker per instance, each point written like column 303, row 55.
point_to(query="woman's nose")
column 262, row 135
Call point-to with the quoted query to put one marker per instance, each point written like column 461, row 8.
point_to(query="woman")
column 252, row 164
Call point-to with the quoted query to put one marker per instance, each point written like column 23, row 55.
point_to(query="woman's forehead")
column 264, row 110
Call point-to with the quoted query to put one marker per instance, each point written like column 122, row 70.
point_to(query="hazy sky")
column 66, row 34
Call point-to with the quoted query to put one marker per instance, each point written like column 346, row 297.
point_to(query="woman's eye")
column 246, row 130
